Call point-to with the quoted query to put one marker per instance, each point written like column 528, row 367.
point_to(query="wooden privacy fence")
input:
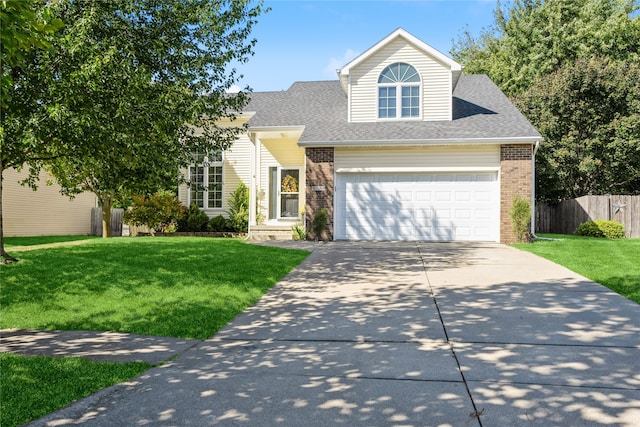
column 116, row 222
column 566, row 216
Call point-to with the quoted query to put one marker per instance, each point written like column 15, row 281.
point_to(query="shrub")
column 239, row 209
column 217, row 224
column 193, row 220
column 298, row 232
column 521, row 219
column 601, row 228
column 318, row 223
column 159, row 212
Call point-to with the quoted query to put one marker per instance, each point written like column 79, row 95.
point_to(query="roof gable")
column 438, row 56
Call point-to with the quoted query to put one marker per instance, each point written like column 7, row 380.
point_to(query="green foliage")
column 166, row 286
column 218, row 224
column 239, row 209
column 298, row 232
column 319, row 223
column 589, row 115
column 521, row 219
column 159, row 212
column 193, row 220
column 23, row 28
column 536, row 37
column 129, row 91
column 35, row 386
column 601, row 228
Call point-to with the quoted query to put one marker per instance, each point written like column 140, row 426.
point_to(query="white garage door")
column 434, row 206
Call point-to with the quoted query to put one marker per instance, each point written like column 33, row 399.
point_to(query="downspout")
column 533, row 194
column 252, row 187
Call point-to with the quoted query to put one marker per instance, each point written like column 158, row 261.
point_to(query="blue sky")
column 309, row 40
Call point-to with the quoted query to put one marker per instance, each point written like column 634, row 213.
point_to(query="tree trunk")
column 106, row 217
column 4, row 256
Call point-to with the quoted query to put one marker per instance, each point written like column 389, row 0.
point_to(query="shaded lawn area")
column 614, row 263
column 35, row 386
column 174, row 286
column 43, row 240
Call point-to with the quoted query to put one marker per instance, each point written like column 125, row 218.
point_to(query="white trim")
column 437, row 55
column 427, row 169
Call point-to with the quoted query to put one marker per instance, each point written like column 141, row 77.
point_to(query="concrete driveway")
column 405, row 334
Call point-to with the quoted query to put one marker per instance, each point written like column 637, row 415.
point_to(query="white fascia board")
column 419, row 169
column 264, row 132
column 423, row 142
column 437, row 55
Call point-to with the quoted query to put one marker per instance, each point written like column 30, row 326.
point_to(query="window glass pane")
column 399, row 73
column 290, row 181
column 410, row 101
column 197, row 185
column 386, row 102
column 289, row 205
column 215, row 187
column 215, row 156
column 198, row 158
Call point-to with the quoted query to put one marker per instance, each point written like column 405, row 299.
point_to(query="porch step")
column 271, row 232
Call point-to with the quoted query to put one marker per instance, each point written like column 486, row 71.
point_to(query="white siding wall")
column 436, row 83
column 44, row 212
column 236, row 167
column 418, row 158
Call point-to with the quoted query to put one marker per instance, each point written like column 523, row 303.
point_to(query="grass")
column 181, row 287
column 173, row 286
column 35, row 386
column 613, row 263
column 42, row 240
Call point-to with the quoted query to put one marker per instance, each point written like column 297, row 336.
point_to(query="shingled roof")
column 481, row 112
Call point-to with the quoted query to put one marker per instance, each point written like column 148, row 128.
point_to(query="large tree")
column 24, row 30
column 589, row 113
column 536, row 37
column 571, row 66
column 133, row 88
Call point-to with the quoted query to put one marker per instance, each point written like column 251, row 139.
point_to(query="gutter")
column 422, row 142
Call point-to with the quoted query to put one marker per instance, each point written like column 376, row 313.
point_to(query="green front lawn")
column 43, row 240
column 180, row 287
column 614, row 263
column 35, row 386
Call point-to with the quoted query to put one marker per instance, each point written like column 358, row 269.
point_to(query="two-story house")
column 401, row 147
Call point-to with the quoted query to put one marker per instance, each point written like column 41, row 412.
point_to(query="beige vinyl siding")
column 283, row 153
column 417, row 158
column 44, row 212
column 436, row 83
column 236, row 167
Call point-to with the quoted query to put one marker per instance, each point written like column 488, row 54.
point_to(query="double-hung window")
column 205, row 177
column 399, row 92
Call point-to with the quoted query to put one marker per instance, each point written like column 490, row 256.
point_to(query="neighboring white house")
column 44, row 212
column 401, row 147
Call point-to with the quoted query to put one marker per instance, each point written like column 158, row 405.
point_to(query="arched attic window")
column 399, row 92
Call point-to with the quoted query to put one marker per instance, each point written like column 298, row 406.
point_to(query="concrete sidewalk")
column 401, row 334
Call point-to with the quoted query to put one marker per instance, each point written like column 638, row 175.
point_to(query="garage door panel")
column 430, row 206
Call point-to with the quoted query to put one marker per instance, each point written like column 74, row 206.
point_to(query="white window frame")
column 280, row 193
column 207, row 165
column 399, row 85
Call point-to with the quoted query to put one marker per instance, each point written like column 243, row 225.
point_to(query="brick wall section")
column 515, row 179
column 320, row 173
